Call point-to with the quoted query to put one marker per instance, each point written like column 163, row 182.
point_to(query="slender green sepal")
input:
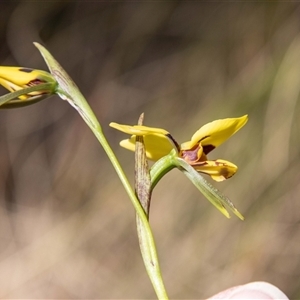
column 170, row 161
column 210, row 192
column 11, row 100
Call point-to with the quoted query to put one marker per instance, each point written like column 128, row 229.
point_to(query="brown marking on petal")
column 174, row 141
column 224, row 172
column 208, row 148
column 26, row 70
column 203, row 139
column 35, row 82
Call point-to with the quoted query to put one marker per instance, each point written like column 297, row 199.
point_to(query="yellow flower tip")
column 123, row 128
column 17, row 78
column 213, row 134
column 138, row 130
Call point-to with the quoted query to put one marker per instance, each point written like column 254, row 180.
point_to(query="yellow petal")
column 219, row 169
column 215, row 133
column 139, row 130
column 156, row 146
column 158, row 142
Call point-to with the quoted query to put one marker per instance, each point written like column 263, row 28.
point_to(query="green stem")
column 150, row 255
column 161, row 168
column 69, row 91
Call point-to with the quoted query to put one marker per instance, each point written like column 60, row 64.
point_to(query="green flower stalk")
column 69, row 91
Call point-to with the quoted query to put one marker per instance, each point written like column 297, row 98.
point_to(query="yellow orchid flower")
column 17, row 79
column 159, row 143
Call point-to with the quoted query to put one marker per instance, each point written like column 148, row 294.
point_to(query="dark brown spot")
column 224, row 172
column 26, row 70
column 208, row 148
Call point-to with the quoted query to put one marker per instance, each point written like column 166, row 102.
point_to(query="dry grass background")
column 67, row 228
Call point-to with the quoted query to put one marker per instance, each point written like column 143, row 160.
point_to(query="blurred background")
column 67, row 227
